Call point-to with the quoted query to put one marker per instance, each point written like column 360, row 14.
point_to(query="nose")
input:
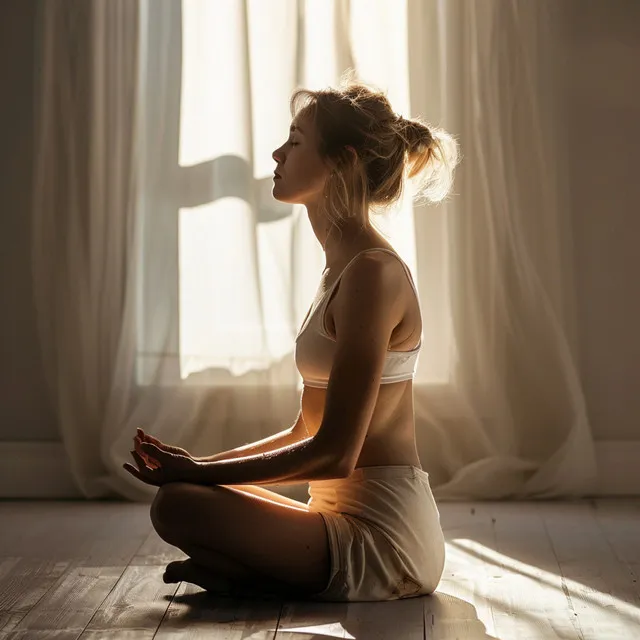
column 277, row 155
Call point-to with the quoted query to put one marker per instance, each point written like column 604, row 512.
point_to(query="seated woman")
column 371, row 529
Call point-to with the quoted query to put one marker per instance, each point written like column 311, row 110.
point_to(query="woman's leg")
column 261, row 492
column 244, row 537
column 219, row 574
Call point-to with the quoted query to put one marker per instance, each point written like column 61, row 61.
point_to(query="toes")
column 190, row 571
column 174, row 571
column 204, row 578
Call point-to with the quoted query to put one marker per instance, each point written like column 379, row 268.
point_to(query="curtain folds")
column 169, row 285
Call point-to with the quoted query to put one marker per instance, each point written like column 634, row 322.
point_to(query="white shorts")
column 384, row 534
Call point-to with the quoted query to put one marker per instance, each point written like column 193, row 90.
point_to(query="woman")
column 370, row 530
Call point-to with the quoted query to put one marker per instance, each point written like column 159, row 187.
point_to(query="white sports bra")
column 315, row 348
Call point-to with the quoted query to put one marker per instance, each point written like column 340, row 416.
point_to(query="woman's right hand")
column 143, row 437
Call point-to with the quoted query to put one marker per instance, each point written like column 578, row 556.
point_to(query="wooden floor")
column 514, row 571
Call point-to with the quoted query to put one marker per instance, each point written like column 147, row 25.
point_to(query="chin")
column 283, row 197
column 279, row 198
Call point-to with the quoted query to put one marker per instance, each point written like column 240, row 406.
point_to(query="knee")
column 165, row 506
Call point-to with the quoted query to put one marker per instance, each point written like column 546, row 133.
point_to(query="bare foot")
column 175, row 571
column 190, row 571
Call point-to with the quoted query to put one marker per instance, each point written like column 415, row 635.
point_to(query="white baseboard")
column 39, row 470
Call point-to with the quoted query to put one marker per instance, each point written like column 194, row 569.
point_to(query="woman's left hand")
column 171, row 467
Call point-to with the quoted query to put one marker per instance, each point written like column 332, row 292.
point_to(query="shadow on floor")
column 440, row 615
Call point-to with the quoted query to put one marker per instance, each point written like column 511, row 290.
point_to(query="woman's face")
column 300, row 173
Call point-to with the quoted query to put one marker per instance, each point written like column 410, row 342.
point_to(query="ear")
column 352, row 151
column 350, row 155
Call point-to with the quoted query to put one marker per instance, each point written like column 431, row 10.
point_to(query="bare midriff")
column 390, row 438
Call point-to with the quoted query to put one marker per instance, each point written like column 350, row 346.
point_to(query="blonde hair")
column 371, row 150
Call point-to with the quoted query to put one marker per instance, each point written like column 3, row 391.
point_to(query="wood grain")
column 521, row 571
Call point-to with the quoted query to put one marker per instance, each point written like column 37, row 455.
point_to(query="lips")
column 276, row 176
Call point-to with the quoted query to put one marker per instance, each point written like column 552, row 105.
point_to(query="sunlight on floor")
column 331, row 630
column 511, row 588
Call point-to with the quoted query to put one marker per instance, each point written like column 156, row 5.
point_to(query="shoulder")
column 374, row 271
column 372, row 284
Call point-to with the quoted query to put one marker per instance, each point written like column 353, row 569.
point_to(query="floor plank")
column 604, row 600
column 461, row 606
column 46, row 634
column 371, row 620
column 307, row 620
column 92, row 533
column 155, row 551
column 528, row 597
column 194, row 614
column 137, row 604
column 23, row 583
column 538, row 571
column 70, row 604
column 619, row 521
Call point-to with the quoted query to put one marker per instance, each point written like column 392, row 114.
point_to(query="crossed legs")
column 242, row 538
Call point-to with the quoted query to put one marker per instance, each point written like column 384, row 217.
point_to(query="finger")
column 143, row 469
column 145, row 456
column 140, row 461
column 133, row 471
column 154, row 451
column 136, row 473
column 149, row 461
column 141, row 435
column 153, row 440
column 154, row 482
column 137, row 443
column 138, row 447
column 145, row 437
column 144, row 462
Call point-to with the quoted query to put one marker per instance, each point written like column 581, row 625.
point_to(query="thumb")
column 152, row 450
column 152, row 440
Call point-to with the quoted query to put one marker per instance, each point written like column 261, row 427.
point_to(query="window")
column 228, row 272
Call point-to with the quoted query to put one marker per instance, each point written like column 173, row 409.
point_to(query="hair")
column 371, row 150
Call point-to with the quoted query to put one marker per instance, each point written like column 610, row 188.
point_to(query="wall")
column 25, row 413
column 602, row 93
column 603, row 130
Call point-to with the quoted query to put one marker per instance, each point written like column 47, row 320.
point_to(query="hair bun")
column 415, row 134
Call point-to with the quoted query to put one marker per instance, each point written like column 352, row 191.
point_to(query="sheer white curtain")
column 177, row 283
column 512, row 420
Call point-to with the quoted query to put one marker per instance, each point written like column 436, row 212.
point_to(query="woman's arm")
column 302, row 460
column 296, row 463
column 282, row 439
column 368, row 307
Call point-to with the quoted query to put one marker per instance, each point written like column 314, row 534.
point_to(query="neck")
column 336, row 241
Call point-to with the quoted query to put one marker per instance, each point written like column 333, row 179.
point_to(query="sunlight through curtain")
column 170, row 285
